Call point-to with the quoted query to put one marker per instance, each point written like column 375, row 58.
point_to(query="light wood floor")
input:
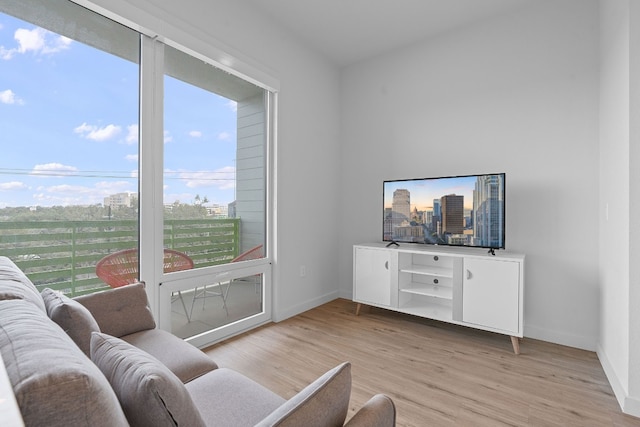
column 437, row 374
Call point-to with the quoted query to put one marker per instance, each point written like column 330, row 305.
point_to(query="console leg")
column 515, row 341
column 358, row 307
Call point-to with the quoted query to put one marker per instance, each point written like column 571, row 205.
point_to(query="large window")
column 68, row 125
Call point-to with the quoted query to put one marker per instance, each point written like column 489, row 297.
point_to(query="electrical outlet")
column 303, row 271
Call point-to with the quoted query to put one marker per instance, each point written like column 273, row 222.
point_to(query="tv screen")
column 453, row 210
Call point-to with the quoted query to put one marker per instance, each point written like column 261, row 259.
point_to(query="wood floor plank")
column 437, row 374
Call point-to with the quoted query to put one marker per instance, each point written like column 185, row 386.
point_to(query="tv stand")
column 462, row 286
column 492, row 251
column 393, row 242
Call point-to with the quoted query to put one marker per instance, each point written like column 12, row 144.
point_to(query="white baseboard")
column 618, row 389
column 576, row 341
column 287, row 312
column 630, row 405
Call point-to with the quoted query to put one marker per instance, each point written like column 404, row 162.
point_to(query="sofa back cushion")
column 150, row 394
column 14, row 284
column 72, row 317
column 55, row 384
column 129, row 302
column 323, row 403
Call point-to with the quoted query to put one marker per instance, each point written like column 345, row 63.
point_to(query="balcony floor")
column 242, row 301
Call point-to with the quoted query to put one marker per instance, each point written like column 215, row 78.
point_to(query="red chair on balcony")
column 121, row 268
column 253, row 253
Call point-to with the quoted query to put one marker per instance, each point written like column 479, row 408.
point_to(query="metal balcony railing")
column 62, row 255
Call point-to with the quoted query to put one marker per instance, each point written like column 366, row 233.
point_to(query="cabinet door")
column 372, row 279
column 490, row 294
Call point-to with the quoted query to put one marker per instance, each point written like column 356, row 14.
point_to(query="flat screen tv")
column 464, row 210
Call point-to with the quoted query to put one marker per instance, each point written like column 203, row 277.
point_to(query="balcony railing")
column 62, row 255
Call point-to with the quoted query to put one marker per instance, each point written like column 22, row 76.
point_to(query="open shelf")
column 433, row 309
column 435, row 291
column 428, row 270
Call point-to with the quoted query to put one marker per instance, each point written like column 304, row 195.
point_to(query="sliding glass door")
column 214, row 196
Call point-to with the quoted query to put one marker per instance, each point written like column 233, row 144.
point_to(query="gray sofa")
column 99, row 360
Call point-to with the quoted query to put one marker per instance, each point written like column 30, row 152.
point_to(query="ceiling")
column 348, row 31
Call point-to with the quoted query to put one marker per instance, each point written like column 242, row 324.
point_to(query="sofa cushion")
column 130, row 302
column 239, row 401
column 55, row 384
column 323, row 403
column 183, row 359
column 72, row 317
column 149, row 393
column 14, row 284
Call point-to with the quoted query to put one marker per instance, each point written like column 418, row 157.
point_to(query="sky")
column 422, row 192
column 69, row 126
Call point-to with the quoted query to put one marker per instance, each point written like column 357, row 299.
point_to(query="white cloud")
column 167, row 137
column 54, row 169
column 233, row 106
column 38, row 41
column 66, row 194
column 223, row 178
column 132, row 134
column 13, row 185
column 224, row 136
column 96, row 133
column 195, row 134
column 8, row 97
column 131, row 157
column 111, row 187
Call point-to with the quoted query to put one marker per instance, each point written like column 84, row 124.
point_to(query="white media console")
column 465, row 286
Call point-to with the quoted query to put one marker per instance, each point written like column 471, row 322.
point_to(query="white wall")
column 614, row 193
column 515, row 94
column 619, row 345
column 633, row 406
column 308, row 129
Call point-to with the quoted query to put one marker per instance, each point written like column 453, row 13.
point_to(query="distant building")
column 231, row 210
column 218, row 211
column 452, row 207
column 458, row 239
column 119, row 200
column 488, row 209
column 417, row 216
column 401, row 207
column 409, row 233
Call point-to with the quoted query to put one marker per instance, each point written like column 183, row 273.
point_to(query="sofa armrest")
column 379, row 411
column 120, row 311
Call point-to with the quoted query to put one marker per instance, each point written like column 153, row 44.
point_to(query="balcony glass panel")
column 214, row 305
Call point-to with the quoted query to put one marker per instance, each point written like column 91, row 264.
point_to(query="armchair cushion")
column 150, row 394
column 72, row 317
column 323, row 403
column 239, row 401
column 183, row 359
column 120, row 311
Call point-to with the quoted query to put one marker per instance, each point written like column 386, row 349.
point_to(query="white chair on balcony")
column 221, row 289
